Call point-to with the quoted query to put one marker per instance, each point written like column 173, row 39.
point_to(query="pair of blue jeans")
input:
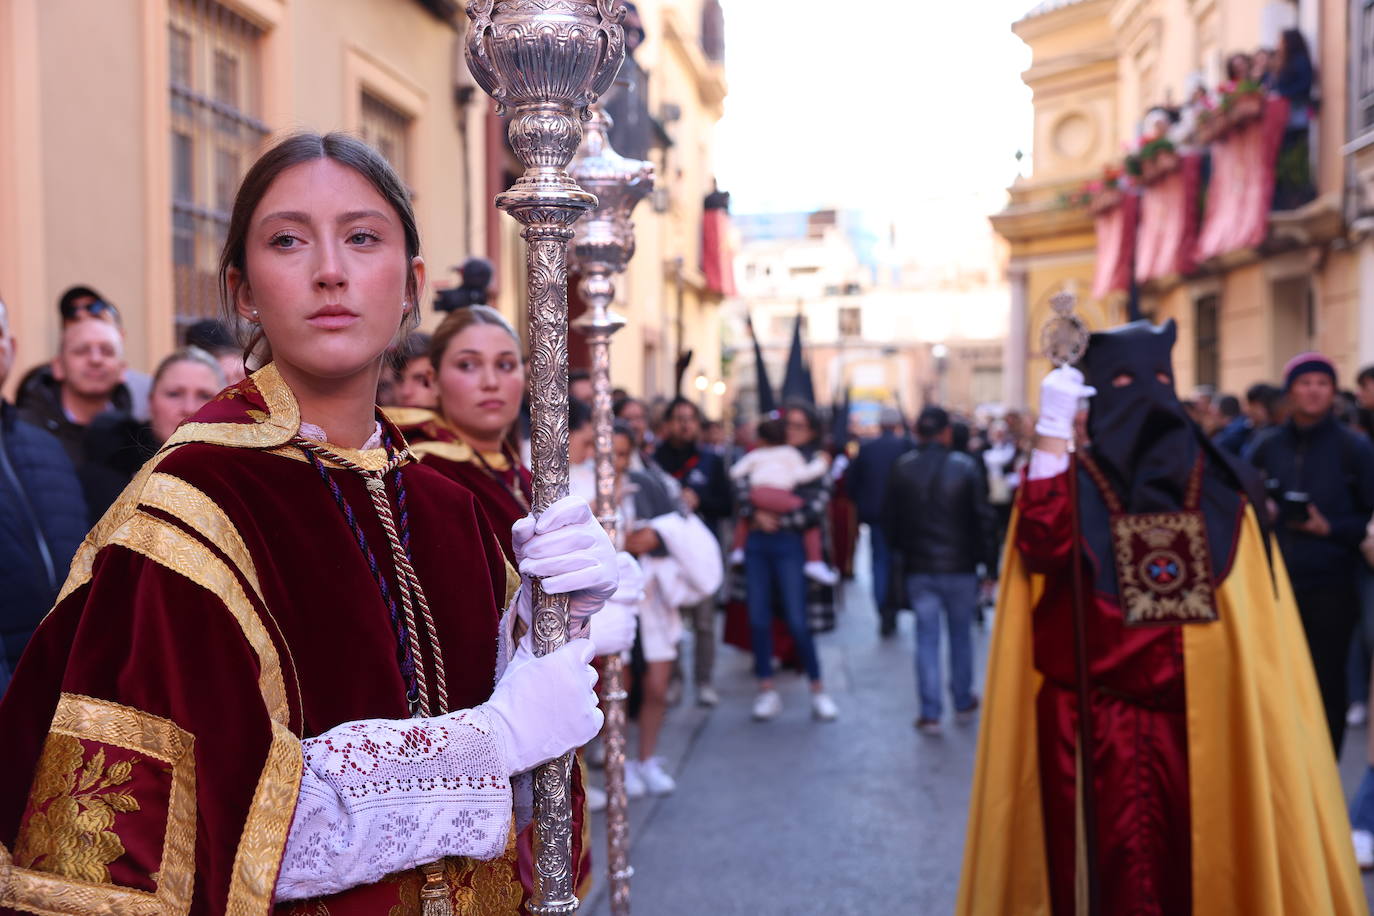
column 882, row 567
column 773, row 575
column 1362, row 807
column 952, row 597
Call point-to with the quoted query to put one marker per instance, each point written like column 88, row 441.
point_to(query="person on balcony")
column 1295, row 80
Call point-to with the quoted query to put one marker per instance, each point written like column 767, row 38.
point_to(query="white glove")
column 544, row 707
column 1060, row 393
column 632, row 580
column 567, row 549
column 613, row 630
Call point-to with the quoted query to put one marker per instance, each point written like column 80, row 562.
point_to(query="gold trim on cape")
column 281, row 422
column 263, row 841
column 103, row 722
column 172, row 548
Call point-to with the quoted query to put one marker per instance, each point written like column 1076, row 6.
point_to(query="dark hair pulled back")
column 293, row 150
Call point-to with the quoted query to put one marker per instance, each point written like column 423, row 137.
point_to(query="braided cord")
column 411, row 592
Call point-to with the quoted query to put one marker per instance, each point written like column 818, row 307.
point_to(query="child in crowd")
column 772, row 471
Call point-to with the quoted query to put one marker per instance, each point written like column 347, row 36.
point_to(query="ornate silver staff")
column 603, row 244
column 546, row 61
column 1064, row 341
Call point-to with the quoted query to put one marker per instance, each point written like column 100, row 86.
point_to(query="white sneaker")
column 823, row 574
column 634, row 782
column 1364, row 848
column 823, row 709
column 707, row 696
column 737, row 557
column 1357, row 715
column 767, row 705
column 596, row 799
column 655, row 779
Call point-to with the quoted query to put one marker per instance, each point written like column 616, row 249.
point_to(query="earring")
column 255, row 314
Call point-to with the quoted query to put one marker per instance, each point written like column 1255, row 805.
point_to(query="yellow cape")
column 1269, row 827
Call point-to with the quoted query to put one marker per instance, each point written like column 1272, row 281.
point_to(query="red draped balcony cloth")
column 1166, row 239
column 717, row 254
column 1242, row 187
column 1116, row 226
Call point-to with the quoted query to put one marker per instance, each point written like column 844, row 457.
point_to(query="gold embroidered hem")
column 80, row 804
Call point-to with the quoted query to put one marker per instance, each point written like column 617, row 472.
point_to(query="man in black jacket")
column 867, row 483
column 938, row 519
column 1320, row 476
column 42, row 519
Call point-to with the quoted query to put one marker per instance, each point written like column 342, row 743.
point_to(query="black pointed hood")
column 1138, row 429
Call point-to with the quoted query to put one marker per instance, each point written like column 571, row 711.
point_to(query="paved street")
column 860, row 816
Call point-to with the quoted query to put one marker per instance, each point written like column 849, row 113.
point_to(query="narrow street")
column 860, row 816
column 792, row 818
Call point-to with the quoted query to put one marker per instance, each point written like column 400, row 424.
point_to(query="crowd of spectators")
column 79, row 428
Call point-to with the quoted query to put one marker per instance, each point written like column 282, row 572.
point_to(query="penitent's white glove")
column 544, row 707
column 566, row 548
column 613, row 630
column 1060, row 393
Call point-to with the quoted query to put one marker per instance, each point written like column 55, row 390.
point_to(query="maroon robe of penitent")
column 218, row 614
column 501, row 488
column 1138, row 717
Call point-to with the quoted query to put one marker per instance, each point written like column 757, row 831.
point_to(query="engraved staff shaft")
column 544, row 62
column 602, row 245
column 1064, row 340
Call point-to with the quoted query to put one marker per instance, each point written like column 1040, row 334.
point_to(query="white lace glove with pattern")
column 380, row 796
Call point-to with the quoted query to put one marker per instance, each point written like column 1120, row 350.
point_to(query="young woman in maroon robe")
column 480, row 378
column 268, row 681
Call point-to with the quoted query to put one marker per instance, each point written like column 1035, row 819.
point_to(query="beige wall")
column 84, row 141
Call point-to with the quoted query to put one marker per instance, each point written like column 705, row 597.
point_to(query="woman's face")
column 182, row 389
column 799, row 432
column 326, row 272
column 481, row 380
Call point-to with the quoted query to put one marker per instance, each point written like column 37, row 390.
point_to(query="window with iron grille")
column 387, row 130
column 214, row 70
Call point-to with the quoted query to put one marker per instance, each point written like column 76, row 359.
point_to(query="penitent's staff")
column 545, row 63
column 1064, row 340
column 602, row 246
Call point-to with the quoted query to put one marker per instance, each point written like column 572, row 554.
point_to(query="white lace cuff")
column 381, row 796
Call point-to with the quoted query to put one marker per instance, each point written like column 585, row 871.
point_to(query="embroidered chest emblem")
column 1163, row 562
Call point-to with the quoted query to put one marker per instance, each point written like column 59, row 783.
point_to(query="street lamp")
column 702, row 383
column 718, row 389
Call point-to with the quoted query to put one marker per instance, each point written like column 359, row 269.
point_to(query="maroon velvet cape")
column 493, row 485
column 220, row 612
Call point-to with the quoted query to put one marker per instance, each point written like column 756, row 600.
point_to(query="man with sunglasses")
column 39, row 388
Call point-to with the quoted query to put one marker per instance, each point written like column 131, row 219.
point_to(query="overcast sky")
column 904, row 109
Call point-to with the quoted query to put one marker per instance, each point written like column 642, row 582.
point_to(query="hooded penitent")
column 1213, row 789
